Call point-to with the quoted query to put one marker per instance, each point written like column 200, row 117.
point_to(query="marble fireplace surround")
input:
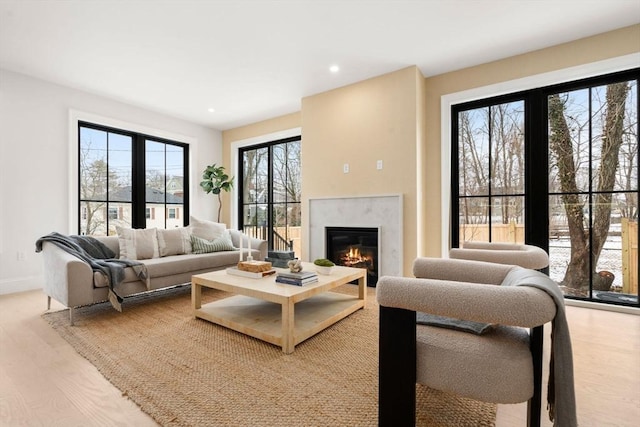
column 380, row 211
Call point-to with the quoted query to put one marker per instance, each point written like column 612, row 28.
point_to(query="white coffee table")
column 281, row 314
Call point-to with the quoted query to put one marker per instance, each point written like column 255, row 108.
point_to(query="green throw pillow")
column 203, row 246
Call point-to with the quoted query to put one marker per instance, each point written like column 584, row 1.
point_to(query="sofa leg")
column 48, row 303
column 71, row 316
column 397, row 368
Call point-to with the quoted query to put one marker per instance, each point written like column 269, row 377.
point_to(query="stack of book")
column 298, row 279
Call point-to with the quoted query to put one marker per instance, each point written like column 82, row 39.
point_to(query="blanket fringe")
column 115, row 300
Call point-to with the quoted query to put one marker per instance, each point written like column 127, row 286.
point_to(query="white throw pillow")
column 139, row 243
column 175, row 241
column 207, row 230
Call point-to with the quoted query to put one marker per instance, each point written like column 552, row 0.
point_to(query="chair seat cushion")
column 494, row 367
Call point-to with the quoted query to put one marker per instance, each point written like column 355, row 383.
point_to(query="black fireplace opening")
column 354, row 247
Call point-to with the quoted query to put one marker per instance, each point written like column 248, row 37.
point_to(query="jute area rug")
column 188, row 372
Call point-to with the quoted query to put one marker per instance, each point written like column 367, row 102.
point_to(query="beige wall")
column 396, row 118
column 359, row 124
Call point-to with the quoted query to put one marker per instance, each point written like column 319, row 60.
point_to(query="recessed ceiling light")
column 211, row 110
column 334, row 68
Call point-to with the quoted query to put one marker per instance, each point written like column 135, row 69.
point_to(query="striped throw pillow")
column 203, row 246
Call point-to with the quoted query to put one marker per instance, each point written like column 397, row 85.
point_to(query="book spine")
column 295, row 281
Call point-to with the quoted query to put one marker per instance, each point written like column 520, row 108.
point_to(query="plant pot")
column 323, row 270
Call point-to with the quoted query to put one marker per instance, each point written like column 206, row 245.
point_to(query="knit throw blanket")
column 561, row 400
column 100, row 258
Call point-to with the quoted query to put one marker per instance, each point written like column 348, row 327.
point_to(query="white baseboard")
column 21, row 284
column 601, row 306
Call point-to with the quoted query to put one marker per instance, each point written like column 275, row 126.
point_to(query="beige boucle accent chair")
column 501, row 366
column 526, row 256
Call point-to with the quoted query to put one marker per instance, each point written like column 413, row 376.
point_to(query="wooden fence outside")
column 503, row 233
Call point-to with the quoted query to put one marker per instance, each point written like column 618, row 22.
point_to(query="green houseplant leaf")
column 215, row 180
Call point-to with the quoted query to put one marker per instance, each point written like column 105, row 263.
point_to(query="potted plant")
column 215, row 180
column 323, row 265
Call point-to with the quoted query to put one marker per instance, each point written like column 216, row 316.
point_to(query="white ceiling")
column 253, row 60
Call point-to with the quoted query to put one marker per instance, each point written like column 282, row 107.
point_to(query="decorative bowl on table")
column 323, row 266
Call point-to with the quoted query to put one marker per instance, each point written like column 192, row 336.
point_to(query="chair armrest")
column 460, row 270
column 527, row 256
column 508, row 305
column 67, row 279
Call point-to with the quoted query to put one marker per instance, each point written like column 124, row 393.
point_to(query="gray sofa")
column 71, row 281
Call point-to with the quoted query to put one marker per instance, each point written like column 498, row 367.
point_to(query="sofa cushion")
column 204, row 229
column 176, row 241
column 202, row 246
column 138, row 243
column 178, row 264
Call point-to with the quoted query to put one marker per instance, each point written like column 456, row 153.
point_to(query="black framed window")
column 129, row 179
column 269, row 199
column 556, row 167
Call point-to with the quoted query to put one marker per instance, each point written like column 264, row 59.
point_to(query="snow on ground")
column 610, row 258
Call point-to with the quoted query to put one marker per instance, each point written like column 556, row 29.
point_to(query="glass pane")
column 174, row 173
column 474, row 219
column 294, row 187
column 569, row 142
column 255, row 172
column 568, row 243
column 120, row 158
column 174, row 216
column 92, row 219
column 615, row 251
column 249, row 218
column 473, row 152
column 507, row 219
column 507, row 148
column 154, row 215
column 294, row 232
column 154, row 172
column 615, row 142
column 93, row 164
column 280, row 173
column 119, row 214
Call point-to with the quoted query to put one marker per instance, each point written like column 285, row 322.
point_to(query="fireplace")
column 354, row 247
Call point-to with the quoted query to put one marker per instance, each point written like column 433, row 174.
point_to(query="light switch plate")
column 379, row 165
column 345, row 168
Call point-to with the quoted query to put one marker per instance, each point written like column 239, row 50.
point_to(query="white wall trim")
column 600, row 306
column 540, row 80
column 75, row 116
column 235, row 148
column 22, row 284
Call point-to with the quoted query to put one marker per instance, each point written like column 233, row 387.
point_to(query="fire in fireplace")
column 354, row 247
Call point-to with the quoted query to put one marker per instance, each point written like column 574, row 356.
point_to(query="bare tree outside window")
column 593, row 148
column 491, row 171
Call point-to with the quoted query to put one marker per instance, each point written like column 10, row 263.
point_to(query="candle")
column 249, row 240
column 241, row 236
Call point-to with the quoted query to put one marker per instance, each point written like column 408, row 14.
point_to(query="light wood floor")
column 44, row 382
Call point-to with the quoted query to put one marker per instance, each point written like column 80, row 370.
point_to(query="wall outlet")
column 345, row 168
column 21, row 256
column 379, row 165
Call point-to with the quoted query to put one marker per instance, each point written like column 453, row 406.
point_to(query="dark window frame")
column 536, row 154
column 138, row 177
column 270, row 202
